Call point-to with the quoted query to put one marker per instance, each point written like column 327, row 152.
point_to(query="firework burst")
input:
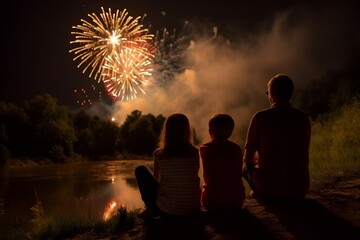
column 126, row 72
column 109, row 46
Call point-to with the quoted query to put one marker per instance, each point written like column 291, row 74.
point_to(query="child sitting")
column 223, row 189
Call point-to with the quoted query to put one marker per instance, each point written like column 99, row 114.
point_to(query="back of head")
column 281, row 87
column 176, row 131
column 221, row 126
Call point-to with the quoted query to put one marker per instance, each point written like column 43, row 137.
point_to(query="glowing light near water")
column 117, row 49
column 110, row 210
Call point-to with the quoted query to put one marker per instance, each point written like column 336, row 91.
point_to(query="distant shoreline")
column 28, row 162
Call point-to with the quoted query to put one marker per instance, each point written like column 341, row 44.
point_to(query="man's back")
column 281, row 135
column 276, row 155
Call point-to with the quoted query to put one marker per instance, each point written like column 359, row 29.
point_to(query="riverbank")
column 332, row 212
column 29, row 162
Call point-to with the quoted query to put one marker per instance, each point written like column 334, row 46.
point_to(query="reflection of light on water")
column 110, row 210
column 77, row 189
column 120, row 196
column 124, row 193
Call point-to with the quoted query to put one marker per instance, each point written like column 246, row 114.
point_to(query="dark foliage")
column 328, row 94
column 41, row 129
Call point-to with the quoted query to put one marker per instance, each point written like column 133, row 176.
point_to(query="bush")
column 334, row 148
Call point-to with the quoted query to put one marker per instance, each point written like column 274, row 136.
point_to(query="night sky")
column 35, row 39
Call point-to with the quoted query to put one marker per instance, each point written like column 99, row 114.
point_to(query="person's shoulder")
column 232, row 143
column 206, row 145
column 191, row 150
column 205, row 148
column 214, row 144
column 234, row 146
column 262, row 113
column 299, row 113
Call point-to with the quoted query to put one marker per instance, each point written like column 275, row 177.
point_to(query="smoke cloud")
column 230, row 76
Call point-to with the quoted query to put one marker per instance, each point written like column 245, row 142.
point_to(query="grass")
column 335, row 146
column 58, row 227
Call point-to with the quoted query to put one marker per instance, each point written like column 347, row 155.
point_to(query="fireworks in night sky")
column 128, row 71
column 171, row 54
column 116, row 49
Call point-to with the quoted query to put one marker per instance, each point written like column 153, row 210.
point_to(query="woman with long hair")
column 174, row 186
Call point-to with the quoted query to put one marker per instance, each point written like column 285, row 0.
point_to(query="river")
column 84, row 188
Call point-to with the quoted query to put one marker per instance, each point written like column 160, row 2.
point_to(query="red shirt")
column 281, row 137
column 223, row 188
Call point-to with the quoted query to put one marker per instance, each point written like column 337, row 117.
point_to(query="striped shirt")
column 179, row 190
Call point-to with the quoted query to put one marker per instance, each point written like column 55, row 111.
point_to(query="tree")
column 139, row 134
column 103, row 141
column 12, row 125
column 328, row 94
column 125, row 130
column 83, row 133
column 50, row 132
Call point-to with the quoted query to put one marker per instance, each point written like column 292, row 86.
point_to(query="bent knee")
column 140, row 170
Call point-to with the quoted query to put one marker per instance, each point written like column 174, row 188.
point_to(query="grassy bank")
column 58, row 227
column 335, row 146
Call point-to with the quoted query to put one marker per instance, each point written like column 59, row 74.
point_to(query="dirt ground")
column 330, row 213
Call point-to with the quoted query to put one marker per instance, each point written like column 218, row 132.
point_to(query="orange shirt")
column 223, row 188
column 281, row 137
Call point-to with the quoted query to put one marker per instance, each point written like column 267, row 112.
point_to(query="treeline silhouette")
column 324, row 97
column 41, row 129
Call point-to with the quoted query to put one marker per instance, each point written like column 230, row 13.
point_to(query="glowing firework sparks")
column 127, row 72
column 114, row 46
column 84, row 98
